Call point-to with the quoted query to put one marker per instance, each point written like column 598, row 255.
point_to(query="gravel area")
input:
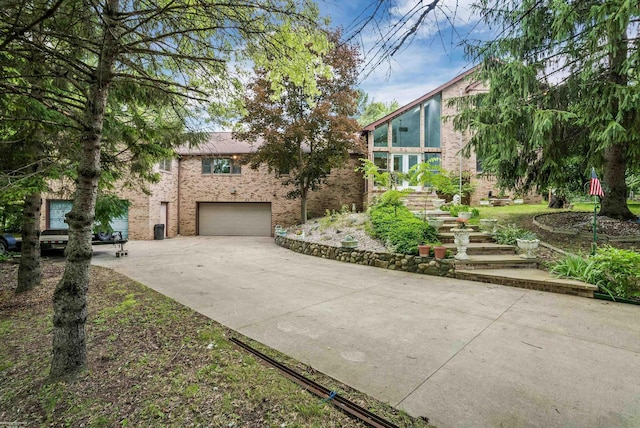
column 350, row 224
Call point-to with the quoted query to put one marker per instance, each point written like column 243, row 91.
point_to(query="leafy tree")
column 113, row 63
column 563, row 96
column 305, row 131
column 370, row 112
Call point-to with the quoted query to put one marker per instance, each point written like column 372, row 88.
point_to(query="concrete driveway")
column 461, row 353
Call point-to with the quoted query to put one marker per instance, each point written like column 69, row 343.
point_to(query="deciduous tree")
column 305, row 131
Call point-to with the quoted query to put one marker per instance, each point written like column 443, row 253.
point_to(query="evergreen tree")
column 563, row 96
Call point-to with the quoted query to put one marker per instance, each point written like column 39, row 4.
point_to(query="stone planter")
column 349, row 242
column 461, row 239
column 529, row 247
column 440, row 252
column 437, row 203
column 465, row 215
column 488, row 225
column 436, row 223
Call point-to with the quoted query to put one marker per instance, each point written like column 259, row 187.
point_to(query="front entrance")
column 401, row 163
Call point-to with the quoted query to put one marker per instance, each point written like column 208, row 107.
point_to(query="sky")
column 431, row 58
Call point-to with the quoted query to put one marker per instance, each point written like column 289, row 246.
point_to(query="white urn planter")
column 461, row 239
column 437, row 203
column 488, row 225
column 465, row 215
column 528, row 247
column 436, row 223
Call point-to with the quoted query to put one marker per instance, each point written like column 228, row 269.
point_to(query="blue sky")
column 432, row 58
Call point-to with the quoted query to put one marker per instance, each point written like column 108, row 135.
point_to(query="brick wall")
column 344, row 186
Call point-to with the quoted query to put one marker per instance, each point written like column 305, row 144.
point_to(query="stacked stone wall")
column 400, row 262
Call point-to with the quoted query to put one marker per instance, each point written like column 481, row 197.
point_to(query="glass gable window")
column 405, row 129
column 432, row 122
column 380, row 136
column 220, row 166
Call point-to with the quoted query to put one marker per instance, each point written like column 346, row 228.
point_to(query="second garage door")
column 247, row 219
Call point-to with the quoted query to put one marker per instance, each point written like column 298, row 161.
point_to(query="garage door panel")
column 58, row 209
column 229, row 219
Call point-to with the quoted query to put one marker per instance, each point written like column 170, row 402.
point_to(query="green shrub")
column 613, row 270
column 510, row 233
column 400, row 229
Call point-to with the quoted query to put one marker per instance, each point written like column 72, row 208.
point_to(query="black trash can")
column 158, row 232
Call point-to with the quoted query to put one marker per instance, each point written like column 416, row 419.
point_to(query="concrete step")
column 447, row 237
column 484, row 248
column 532, row 279
column 447, row 226
column 495, row 262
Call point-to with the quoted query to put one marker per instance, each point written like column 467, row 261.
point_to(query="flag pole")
column 595, row 225
column 595, row 214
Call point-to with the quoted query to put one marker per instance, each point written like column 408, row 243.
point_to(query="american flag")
column 595, row 189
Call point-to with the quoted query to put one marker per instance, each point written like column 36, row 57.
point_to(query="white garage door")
column 247, row 219
column 58, row 209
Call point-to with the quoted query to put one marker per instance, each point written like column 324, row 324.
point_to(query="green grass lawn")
column 152, row 363
column 512, row 213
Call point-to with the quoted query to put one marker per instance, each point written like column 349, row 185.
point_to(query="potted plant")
column 440, row 252
column 424, row 250
column 526, row 240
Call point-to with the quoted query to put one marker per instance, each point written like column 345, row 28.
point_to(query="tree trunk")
column 70, row 296
column 614, row 203
column 29, row 272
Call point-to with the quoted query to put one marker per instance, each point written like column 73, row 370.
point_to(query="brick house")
column 206, row 191
column 418, row 132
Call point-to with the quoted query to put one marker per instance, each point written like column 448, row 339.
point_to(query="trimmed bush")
column 400, row 229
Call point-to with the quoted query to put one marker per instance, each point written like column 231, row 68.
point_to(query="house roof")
column 219, row 143
column 403, row 109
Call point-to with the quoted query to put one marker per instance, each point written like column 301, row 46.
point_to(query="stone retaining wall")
column 401, row 262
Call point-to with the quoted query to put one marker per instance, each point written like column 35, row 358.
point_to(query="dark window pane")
column 206, row 166
column 432, row 122
column 380, row 136
column 381, row 160
column 405, row 129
